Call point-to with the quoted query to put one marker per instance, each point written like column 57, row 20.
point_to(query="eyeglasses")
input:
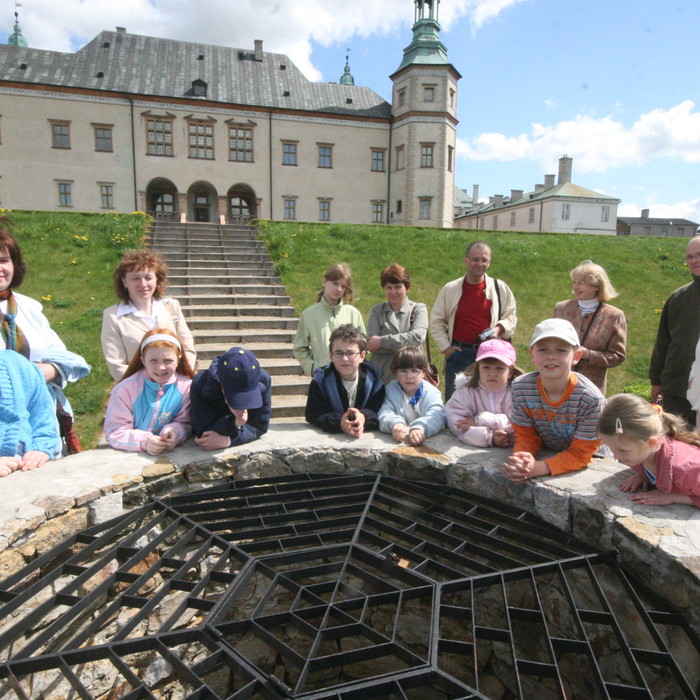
column 485, row 261
column 341, row 354
column 690, row 258
column 409, row 372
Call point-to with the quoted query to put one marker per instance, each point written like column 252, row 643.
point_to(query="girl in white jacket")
column 478, row 413
column 413, row 408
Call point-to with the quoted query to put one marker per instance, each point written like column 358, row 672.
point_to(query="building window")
column 324, row 210
column 325, row 156
column 399, row 206
column 647, row 230
column 290, row 208
column 605, row 213
column 60, row 134
column 103, row 138
column 201, row 140
column 107, row 196
column 428, row 93
column 680, row 231
column 452, row 97
column 65, row 194
column 664, row 230
column 565, row 211
column 531, row 215
column 402, row 98
column 512, row 218
column 495, row 221
column 450, row 156
column 426, row 155
column 289, row 153
column 400, row 157
column 424, row 209
column 377, row 161
column 159, row 137
column 240, row 144
column 377, row 212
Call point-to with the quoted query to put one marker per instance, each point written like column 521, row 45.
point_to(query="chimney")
column 548, row 181
column 475, row 194
column 258, row 50
column 515, row 195
column 498, row 200
column 539, row 188
column 645, row 213
column 565, row 164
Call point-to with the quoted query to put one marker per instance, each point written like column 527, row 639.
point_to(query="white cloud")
column 598, row 144
column 285, row 26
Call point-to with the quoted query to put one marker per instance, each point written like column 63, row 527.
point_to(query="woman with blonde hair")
column 601, row 328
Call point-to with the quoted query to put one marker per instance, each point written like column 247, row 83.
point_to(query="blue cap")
column 238, row 372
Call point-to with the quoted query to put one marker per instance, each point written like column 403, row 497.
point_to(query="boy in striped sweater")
column 553, row 408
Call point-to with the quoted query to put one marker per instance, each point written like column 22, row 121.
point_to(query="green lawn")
column 535, row 266
column 70, row 260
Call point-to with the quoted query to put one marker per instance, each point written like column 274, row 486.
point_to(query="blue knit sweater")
column 27, row 416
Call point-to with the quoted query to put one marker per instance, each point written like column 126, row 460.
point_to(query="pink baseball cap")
column 499, row 350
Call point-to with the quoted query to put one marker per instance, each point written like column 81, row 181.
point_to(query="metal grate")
column 355, row 587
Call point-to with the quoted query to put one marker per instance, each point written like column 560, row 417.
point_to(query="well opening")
column 358, row 586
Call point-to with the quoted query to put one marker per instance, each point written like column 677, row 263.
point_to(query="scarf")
column 417, row 396
column 12, row 334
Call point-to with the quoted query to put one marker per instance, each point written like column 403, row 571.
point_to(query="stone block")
column 263, row 464
column 122, row 481
column 55, row 504
column 53, row 532
column 365, row 460
column 212, row 470
column 316, row 461
column 106, row 508
column 553, row 505
column 16, row 527
column 87, row 495
column 11, row 561
column 418, row 463
column 157, row 469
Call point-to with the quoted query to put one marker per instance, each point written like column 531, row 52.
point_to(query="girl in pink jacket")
column 478, row 413
column 149, row 409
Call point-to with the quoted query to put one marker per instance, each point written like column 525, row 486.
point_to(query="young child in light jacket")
column 149, row 409
column 478, row 413
column 413, row 408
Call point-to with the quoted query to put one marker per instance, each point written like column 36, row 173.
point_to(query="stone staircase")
column 230, row 295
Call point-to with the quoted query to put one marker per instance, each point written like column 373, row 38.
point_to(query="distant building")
column 645, row 226
column 561, row 208
column 196, row 132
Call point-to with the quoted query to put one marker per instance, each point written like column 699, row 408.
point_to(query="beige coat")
column 605, row 343
column 122, row 334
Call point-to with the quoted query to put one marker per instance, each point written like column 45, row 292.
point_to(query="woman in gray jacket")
column 395, row 322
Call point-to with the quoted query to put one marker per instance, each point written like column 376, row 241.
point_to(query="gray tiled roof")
column 144, row 65
column 669, row 220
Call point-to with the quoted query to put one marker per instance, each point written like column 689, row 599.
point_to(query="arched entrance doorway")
column 202, row 202
column 242, row 204
column 161, row 199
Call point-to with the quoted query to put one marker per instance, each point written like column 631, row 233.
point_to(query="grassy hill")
column 71, row 257
column 535, row 266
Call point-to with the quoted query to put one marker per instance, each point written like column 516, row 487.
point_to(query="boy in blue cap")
column 231, row 401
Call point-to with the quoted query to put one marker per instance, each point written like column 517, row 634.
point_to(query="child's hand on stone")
column 399, row 432
column 33, row 459
column 416, row 437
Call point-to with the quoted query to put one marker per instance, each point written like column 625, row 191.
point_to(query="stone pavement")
column 660, row 545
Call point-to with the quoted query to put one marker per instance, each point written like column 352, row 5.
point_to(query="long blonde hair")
column 630, row 416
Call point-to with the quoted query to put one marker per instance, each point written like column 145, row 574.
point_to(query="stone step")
column 244, row 336
column 235, row 310
column 264, row 266
column 227, row 289
column 243, row 269
column 275, row 366
column 179, row 239
column 221, row 257
column 235, row 323
column 222, row 277
column 262, row 350
column 238, row 250
column 240, row 299
column 289, row 406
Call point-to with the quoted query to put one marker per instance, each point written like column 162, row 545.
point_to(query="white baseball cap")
column 555, row 328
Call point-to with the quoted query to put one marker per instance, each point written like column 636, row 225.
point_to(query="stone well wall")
column 660, row 545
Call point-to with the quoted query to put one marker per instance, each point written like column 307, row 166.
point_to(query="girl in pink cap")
column 478, row 413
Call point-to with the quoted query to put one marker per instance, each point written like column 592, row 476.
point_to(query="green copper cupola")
column 346, row 78
column 16, row 38
column 426, row 47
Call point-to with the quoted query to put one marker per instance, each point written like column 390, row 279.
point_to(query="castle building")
column 196, row 132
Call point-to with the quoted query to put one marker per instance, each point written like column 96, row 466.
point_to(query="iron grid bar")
column 329, row 559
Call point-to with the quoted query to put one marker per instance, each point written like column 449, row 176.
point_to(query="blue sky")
column 611, row 83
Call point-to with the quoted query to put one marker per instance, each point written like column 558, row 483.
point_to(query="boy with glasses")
column 346, row 395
